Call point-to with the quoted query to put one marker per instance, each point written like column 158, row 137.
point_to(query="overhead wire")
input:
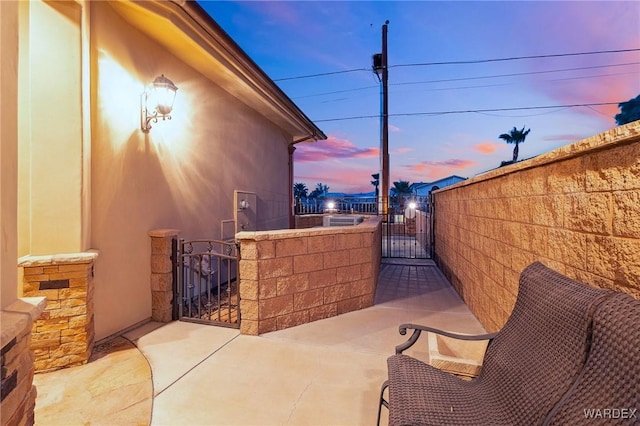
column 514, row 58
column 474, row 61
column 484, row 110
column 321, row 74
column 447, row 80
column 479, row 111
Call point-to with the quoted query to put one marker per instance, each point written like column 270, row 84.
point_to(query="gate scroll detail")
column 207, row 282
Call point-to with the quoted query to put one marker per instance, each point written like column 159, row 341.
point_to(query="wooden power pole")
column 385, row 125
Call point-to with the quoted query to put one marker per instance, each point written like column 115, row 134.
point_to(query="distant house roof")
column 354, row 195
column 440, row 183
column 189, row 33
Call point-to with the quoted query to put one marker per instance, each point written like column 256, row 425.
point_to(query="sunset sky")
column 444, row 118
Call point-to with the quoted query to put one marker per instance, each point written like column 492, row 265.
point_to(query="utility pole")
column 385, row 125
column 380, row 67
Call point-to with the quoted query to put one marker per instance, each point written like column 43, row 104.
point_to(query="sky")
column 444, row 119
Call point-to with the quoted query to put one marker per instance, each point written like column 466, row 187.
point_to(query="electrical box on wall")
column 245, row 204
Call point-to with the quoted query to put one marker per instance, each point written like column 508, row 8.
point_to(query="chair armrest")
column 417, row 329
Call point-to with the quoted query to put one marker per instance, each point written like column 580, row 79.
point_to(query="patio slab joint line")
column 295, row 404
column 192, row 368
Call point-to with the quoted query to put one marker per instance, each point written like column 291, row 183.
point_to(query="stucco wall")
column 576, row 209
column 50, row 133
column 180, row 175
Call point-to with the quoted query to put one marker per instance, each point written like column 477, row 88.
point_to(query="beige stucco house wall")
column 88, row 178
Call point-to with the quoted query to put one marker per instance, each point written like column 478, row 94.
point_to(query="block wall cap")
column 58, row 259
column 163, row 233
column 368, row 225
column 19, row 315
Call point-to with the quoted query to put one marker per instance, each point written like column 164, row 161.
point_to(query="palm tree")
column 300, row 190
column 517, row 137
column 400, row 190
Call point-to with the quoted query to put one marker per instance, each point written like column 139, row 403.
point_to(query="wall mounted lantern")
column 157, row 102
column 244, row 204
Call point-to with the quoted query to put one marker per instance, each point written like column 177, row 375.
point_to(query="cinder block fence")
column 292, row 277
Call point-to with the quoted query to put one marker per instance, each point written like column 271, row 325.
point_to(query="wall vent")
column 341, row 220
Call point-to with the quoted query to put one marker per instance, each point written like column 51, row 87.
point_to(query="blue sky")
column 430, row 138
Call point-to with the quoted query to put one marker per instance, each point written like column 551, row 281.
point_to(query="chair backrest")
column 542, row 348
column 608, row 389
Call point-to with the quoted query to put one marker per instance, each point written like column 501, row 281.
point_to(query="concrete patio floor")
column 327, row 372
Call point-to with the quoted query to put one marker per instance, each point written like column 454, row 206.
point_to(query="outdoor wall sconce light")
column 158, row 97
column 244, row 204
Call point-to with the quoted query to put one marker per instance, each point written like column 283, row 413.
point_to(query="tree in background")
column 319, row 191
column 300, row 190
column 376, row 182
column 629, row 111
column 401, row 189
column 517, row 137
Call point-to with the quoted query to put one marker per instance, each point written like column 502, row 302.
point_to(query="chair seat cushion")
column 423, row 395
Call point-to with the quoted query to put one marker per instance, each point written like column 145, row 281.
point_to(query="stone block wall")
column 162, row 274
column 292, row 277
column 576, row 209
column 17, row 392
column 63, row 336
column 308, row 221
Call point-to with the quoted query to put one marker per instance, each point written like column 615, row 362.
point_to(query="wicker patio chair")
column 527, row 368
column 608, row 389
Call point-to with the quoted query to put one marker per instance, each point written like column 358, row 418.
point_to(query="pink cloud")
column 394, row 128
column 280, row 12
column 332, row 148
column 613, row 83
column 340, row 179
column 429, row 170
column 486, row 147
column 403, row 150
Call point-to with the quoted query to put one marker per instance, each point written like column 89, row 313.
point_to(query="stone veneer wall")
column 63, row 336
column 17, row 392
column 576, row 209
column 292, row 277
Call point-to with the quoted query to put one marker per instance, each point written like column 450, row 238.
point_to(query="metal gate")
column 406, row 232
column 207, row 282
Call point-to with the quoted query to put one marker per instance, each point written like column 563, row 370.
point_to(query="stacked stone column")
column 162, row 274
column 63, row 336
column 17, row 393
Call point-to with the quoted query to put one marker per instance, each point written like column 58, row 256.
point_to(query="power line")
column 321, row 74
column 447, row 80
column 475, row 61
column 514, row 74
column 410, row 114
column 337, row 91
column 514, row 58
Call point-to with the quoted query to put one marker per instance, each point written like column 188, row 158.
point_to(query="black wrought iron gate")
column 207, row 282
column 406, row 232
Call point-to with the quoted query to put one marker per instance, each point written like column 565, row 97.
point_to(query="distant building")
column 343, row 195
column 424, row 188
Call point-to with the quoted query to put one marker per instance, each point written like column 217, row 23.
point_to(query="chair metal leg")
column 385, row 385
